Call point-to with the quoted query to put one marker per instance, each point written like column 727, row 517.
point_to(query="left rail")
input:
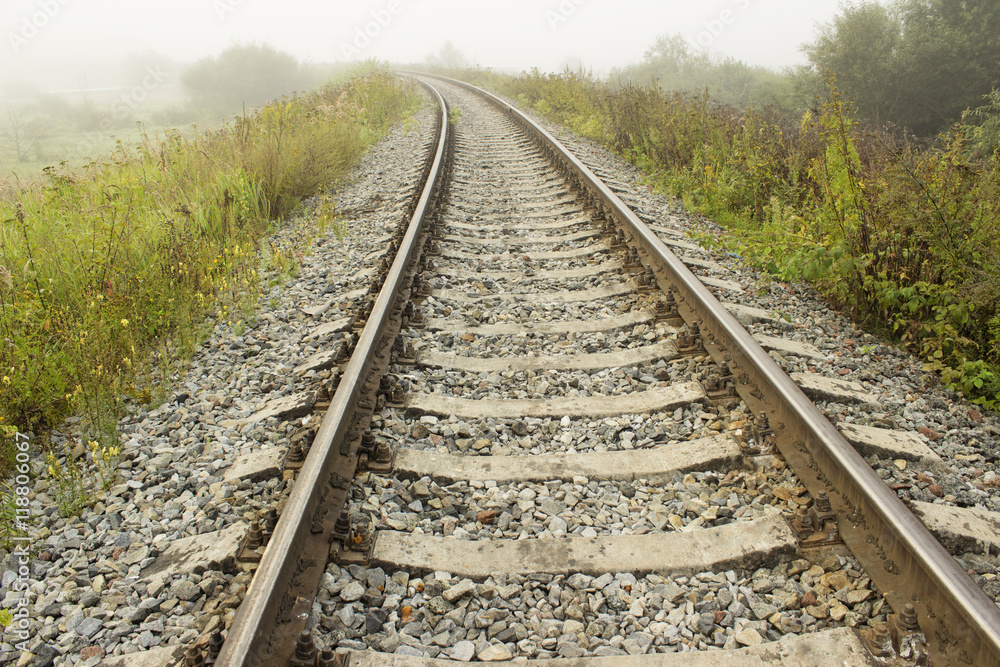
column 278, row 601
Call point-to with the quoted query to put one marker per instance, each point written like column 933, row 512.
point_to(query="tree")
column 951, row 55
column 919, row 63
column 673, row 64
column 448, row 57
column 247, row 75
column 861, row 48
column 670, row 64
column 15, row 134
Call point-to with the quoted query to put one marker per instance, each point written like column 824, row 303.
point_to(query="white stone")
column 495, row 653
column 463, row 651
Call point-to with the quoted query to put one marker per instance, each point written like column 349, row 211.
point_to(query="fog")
column 78, row 77
column 73, row 45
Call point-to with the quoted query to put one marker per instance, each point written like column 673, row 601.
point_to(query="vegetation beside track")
column 107, row 268
column 905, row 235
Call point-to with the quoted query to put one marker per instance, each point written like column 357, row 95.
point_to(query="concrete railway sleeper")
column 550, row 441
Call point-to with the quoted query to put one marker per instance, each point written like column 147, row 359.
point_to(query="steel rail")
column 905, row 560
column 248, row 641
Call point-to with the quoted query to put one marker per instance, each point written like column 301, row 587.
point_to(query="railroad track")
column 552, row 441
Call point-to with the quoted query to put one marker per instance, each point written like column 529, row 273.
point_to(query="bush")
column 243, row 76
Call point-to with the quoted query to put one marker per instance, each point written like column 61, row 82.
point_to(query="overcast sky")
column 516, row 34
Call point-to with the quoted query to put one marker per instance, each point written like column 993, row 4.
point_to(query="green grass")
column 105, row 266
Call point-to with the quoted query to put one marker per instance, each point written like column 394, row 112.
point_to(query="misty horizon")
column 61, row 47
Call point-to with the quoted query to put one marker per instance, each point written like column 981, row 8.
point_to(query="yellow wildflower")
column 124, row 322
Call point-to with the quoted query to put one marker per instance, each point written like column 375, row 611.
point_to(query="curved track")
column 552, row 441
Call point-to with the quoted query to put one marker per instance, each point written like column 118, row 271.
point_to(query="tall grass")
column 904, row 236
column 100, row 267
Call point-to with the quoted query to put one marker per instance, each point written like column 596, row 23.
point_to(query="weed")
column 105, row 459
column 11, row 525
column 325, row 217
column 66, row 483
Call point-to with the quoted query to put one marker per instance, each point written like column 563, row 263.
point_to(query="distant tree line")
column 671, row 63
column 448, row 57
column 917, row 64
